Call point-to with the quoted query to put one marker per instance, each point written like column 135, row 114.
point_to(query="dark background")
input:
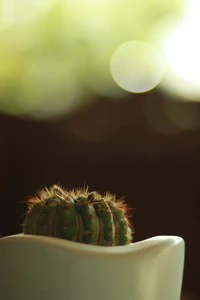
column 109, row 146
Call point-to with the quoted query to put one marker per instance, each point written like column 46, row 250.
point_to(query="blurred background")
column 104, row 93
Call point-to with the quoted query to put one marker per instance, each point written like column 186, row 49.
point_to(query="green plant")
column 79, row 215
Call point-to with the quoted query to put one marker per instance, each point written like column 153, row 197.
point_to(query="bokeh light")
column 183, row 114
column 51, row 86
column 137, row 66
column 13, row 12
column 156, row 117
column 55, row 55
column 95, row 13
column 180, row 44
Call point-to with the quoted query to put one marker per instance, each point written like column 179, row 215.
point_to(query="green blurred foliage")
column 53, row 57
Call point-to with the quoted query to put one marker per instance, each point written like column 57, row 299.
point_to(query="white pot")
column 47, row 268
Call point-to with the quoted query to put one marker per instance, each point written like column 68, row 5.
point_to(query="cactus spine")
column 79, row 216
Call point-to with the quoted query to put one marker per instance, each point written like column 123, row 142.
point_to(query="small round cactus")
column 79, row 215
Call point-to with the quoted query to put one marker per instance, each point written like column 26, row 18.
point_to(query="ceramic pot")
column 47, row 268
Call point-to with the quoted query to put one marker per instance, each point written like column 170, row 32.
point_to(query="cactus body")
column 79, row 216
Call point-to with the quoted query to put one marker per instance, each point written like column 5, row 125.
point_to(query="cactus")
column 80, row 216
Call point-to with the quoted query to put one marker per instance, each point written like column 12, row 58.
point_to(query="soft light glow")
column 79, row 38
column 50, row 87
column 156, row 118
column 181, row 47
column 95, row 13
column 20, row 11
column 185, row 115
column 137, row 66
column 7, row 13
